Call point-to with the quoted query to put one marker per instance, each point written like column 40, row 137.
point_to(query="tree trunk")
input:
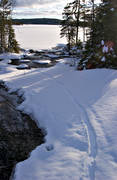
column 77, row 21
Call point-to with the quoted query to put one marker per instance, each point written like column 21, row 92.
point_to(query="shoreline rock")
column 19, row 134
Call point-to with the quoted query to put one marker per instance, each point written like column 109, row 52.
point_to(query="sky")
column 39, row 8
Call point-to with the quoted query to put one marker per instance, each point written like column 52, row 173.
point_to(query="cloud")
column 37, row 13
column 31, row 3
column 39, row 8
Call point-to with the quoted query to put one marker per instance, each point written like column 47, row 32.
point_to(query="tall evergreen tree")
column 109, row 20
column 102, row 46
column 6, row 28
column 106, row 34
column 68, row 28
column 84, row 20
column 71, row 23
column 4, row 13
column 13, row 46
column 76, row 6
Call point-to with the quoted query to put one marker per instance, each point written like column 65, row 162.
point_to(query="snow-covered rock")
column 52, row 56
column 25, row 61
column 23, row 66
column 42, row 61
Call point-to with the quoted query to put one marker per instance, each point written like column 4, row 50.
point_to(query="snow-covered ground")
column 78, row 109
column 38, row 36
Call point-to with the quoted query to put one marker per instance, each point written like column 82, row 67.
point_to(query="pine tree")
column 88, row 60
column 5, row 8
column 84, row 20
column 76, row 6
column 68, row 28
column 72, row 16
column 13, row 46
column 6, row 28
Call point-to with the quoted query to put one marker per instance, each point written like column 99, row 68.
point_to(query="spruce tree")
column 106, row 34
column 101, row 49
column 109, row 21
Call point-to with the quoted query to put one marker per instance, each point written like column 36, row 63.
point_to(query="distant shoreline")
column 37, row 21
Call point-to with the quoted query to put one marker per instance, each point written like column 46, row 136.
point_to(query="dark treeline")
column 48, row 21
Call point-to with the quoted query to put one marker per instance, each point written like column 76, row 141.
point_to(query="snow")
column 103, row 59
column 112, row 9
column 35, row 33
column 102, row 42
column 22, row 66
column 10, row 56
column 42, row 61
column 111, row 49
column 24, row 61
column 78, row 109
column 52, row 55
column 105, row 49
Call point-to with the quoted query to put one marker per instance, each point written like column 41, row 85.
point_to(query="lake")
column 38, row 36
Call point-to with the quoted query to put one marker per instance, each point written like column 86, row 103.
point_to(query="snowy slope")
column 78, row 111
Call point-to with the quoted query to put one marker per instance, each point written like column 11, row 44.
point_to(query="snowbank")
column 78, row 111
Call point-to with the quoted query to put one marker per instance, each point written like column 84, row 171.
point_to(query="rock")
column 52, row 56
column 50, row 147
column 41, row 63
column 15, row 61
column 19, row 134
column 23, row 66
column 2, row 99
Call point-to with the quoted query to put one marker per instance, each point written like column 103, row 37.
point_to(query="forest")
column 99, row 46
